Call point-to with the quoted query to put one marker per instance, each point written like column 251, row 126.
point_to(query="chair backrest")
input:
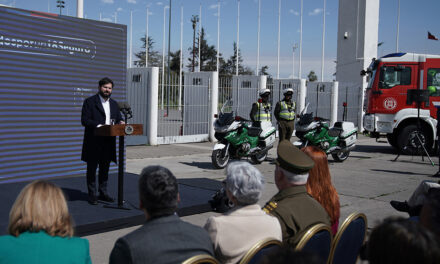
column 318, row 240
column 259, row 250
column 349, row 239
column 201, row 259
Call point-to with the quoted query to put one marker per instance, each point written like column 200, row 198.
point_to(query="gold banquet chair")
column 259, row 250
column 318, row 240
column 349, row 239
column 201, row 259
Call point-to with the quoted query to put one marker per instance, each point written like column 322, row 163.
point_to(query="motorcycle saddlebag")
column 254, row 131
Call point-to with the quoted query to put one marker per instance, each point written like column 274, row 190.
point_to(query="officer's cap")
column 292, row 159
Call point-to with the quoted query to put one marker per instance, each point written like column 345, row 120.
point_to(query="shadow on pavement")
column 200, row 165
column 402, row 172
column 372, row 149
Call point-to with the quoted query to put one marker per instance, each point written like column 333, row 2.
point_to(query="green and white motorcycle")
column 338, row 140
column 238, row 139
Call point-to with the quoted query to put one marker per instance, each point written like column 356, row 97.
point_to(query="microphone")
column 125, row 108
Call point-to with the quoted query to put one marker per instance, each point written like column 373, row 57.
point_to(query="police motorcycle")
column 238, row 139
column 338, row 140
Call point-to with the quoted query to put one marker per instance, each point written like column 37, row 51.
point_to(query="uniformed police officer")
column 285, row 115
column 295, row 209
column 261, row 110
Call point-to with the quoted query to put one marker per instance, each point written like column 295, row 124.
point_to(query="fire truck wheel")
column 392, row 139
column 408, row 140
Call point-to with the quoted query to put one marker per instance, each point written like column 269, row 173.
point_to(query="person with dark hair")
column 164, row 238
column 99, row 110
column 41, row 229
column 319, row 185
column 400, row 241
column 295, row 209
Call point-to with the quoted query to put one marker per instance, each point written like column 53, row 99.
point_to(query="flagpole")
column 300, row 40
column 181, row 58
column 279, row 32
column 218, row 35
column 323, row 39
column 398, row 24
column 131, row 37
column 258, row 39
column 146, row 41
column 200, row 38
column 238, row 37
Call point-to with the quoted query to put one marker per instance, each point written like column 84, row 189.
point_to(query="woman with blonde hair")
column 319, row 185
column 40, row 229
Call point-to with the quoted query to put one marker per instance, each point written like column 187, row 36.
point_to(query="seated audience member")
column 40, row 229
column 430, row 213
column 164, row 238
column 292, row 205
column 319, row 185
column 417, row 199
column 400, row 241
column 287, row 255
column 235, row 232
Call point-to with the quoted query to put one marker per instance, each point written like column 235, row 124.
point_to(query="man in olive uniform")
column 295, row 209
column 261, row 110
column 285, row 115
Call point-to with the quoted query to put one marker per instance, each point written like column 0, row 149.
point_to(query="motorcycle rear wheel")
column 340, row 156
column 258, row 158
column 218, row 160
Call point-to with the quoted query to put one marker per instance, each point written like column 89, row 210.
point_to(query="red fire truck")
column 388, row 110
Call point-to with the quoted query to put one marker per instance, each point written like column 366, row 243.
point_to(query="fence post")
column 361, row 112
column 153, row 87
column 262, row 82
column 213, row 104
column 302, row 95
column 334, row 103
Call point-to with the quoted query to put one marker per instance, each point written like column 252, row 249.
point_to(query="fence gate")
column 244, row 93
column 319, row 98
column 349, row 94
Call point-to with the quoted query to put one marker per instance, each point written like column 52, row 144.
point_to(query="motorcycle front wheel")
column 218, row 159
column 259, row 157
column 340, row 156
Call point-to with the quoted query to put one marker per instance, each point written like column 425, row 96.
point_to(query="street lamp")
column 60, row 5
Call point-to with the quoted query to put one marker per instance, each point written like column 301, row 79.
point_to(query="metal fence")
column 319, row 98
column 170, row 106
column 349, row 94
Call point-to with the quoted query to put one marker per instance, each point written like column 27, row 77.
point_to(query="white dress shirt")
column 106, row 106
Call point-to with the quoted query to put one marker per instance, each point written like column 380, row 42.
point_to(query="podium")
column 120, row 131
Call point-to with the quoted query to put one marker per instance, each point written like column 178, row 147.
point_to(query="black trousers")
column 102, row 176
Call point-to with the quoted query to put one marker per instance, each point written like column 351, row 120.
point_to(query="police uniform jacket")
column 296, row 211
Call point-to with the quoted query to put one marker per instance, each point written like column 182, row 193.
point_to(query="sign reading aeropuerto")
column 48, row 65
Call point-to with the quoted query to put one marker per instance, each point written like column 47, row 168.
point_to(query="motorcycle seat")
column 335, row 131
column 254, row 131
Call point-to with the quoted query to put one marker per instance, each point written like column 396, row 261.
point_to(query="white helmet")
column 263, row 91
column 287, row 90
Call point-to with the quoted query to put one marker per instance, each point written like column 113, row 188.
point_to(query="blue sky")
column 416, row 18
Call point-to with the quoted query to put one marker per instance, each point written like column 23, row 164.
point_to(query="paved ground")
column 366, row 182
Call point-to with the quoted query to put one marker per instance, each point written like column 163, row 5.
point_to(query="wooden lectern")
column 121, row 131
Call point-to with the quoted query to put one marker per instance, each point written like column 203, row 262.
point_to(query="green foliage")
column 312, row 76
column 154, row 58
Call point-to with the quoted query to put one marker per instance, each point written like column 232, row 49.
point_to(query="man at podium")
column 99, row 110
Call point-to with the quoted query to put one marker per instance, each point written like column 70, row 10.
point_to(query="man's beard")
column 105, row 96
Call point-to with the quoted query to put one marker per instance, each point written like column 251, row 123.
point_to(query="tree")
column 263, row 70
column 208, row 54
column 229, row 67
column 154, row 58
column 175, row 61
column 312, row 76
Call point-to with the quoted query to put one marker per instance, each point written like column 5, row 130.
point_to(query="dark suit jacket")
column 98, row 148
column 160, row 241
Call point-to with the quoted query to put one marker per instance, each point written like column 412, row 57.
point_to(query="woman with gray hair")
column 235, row 232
